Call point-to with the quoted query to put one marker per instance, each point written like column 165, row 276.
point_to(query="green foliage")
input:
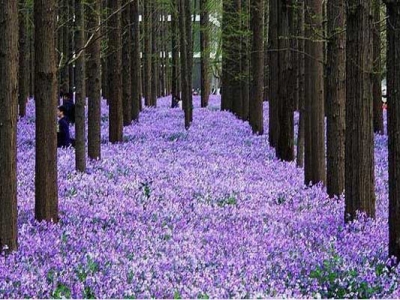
column 231, row 200
column 61, row 292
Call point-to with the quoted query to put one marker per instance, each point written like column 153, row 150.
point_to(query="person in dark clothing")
column 68, row 103
column 63, row 138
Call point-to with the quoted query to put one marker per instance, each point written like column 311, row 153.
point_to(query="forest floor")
column 203, row 213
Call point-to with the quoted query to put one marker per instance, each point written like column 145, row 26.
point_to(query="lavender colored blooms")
column 207, row 212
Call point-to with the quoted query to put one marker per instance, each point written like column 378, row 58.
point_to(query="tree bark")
column 126, row 66
column 115, row 101
column 80, row 95
column 23, row 72
column 94, row 80
column 377, row 75
column 8, row 124
column 245, row 59
column 359, row 152
column 393, row 88
column 336, row 94
column 314, row 130
column 46, row 189
column 147, row 53
column 257, row 67
column 205, row 52
column 136, row 64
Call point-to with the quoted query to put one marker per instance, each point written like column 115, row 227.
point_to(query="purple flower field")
column 203, row 213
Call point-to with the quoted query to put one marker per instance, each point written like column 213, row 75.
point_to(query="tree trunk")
column 155, row 56
column 336, row 94
column 94, row 80
column 359, row 152
column 301, row 61
column 273, row 73
column 257, row 67
column 245, row 59
column 8, row 121
column 285, row 145
column 80, row 96
column 23, row 72
column 115, row 101
column 377, row 75
column 64, row 22
column 393, row 86
column 46, row 189
column 314, row 130
column 175, row 54
column 136, row 64
column 147, row 53
column 228, row 19
column 126, row 66
column 205, row 52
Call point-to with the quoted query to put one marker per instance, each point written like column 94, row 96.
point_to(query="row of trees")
column 277, row 49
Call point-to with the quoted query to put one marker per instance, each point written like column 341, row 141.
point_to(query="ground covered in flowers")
column 207, row 212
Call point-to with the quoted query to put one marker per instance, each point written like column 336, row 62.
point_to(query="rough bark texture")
column 175, row 54
column 115, row 101
column 377, row 75
column 23, row 72
column 257, row 67
column 46, row 189
column 126, row 65
column 314, row 130
column 136, row 64
column 273, row 73
column 393, row 88
column 94, row 80
column 8, row 124
column 205, row 52
column 80, row 96
column 359, row 152
column 285, row 145
column 301, row 100
column 147, row 54
column 186, row 59
column 336, row 97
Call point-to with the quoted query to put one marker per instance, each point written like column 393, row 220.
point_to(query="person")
column 63, row 137
column 68, row 103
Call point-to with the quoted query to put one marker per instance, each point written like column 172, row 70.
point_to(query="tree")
column 186, row 59
column 257, row 66
column 8, row 121
column 377, row 74
column 93, row 65
column 336, row 97
column 147, row 40
column 80, row 95
column 136, row 64
column 285, row 145
column 115, row 101
column 126, row 66
column 205, row 52
column 23, row 73
column 393, row 86
column 46, row 189
column 314, row 130
column 245, row 58
column 359, row 149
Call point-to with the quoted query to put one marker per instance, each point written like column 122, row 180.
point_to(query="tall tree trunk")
column 301, row 61
column 285, row 145
column 359, row 152
column 314, row 130
column 155, row 56
column 126, row 66
column 393, row 86
column 115, row 101
column 175, row 54
column 245, row 59
column 228, row 63
column 257, row 67
column 377, row 75
column 8, row 121
column 273, row 73
column 94, row 80
column 136, row 64
column 186, row 59
column 235, row 55
column 71, row 42
column 336, row 94
column 147, row 53
column 80, row 96
column 64, row 72
column 46, row 189
column 205, row 52
column 23, row 71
